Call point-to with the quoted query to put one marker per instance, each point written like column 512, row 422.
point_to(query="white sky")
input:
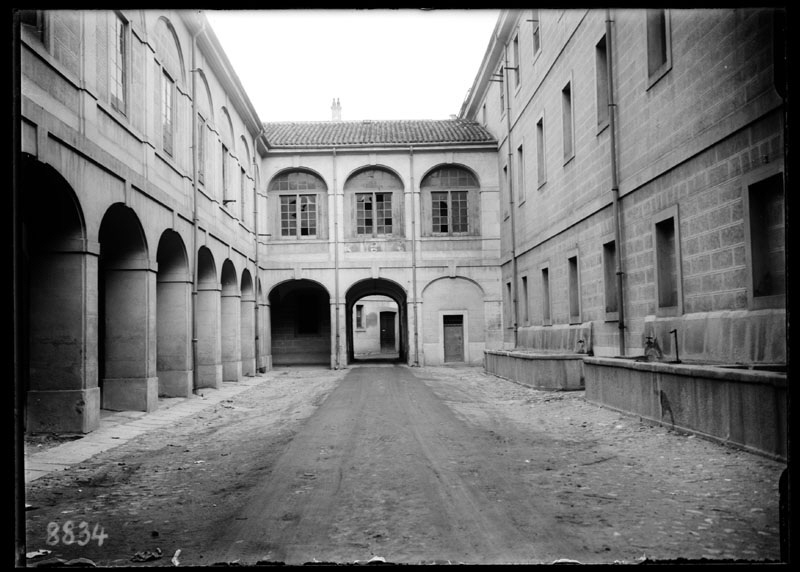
column 381, row 64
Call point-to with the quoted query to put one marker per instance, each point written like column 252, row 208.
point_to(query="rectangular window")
column 224, row 172
column 243, row 195
column 483, row 114
column 299, row 215
column 667, row 263
column 360, row 316
column 119, row 77
column 449, row 212
column 546, row 296
column 601, row 82
column 574, row 290
column 537, row 37
column 509, row 306
column 767, row 241
column 501, row 74
column 201, row 150
column 515, row 55
column 374, row 214
column 525, row 312
column 566, row 113
column 540, row 171
column 659, row 54
column 521, row 174
column 610, row 278
column 167, row 113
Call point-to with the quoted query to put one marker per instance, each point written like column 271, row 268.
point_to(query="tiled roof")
column 403, row 132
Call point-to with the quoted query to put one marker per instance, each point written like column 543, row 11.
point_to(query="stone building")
column 642, row 169
column 167, row 240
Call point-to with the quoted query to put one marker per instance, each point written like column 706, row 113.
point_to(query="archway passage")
column 173, row 320
column 301, row 323
column 374, row 292
column 376, row 329
column 58, row 305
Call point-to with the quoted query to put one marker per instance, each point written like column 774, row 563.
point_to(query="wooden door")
column 453, row 338
column 387, row 331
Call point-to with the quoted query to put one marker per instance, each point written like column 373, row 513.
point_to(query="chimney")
column 336, row 110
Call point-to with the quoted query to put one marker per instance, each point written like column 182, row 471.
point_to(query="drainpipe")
column 195, row 257
column 336, row 260
column 514, row 300
column 614, row 184
column 414, row 254
column 255, row 230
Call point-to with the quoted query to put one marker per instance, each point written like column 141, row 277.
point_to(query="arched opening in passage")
column 248, row 325
column 376, row 294
column 58, row 318
column 231, row 309
column 173, row 317
column 126, row 284
column 376, row 329
column 209, row 339
column 301, row 323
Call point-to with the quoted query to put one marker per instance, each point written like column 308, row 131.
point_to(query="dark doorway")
column 395, row 338
column 300, row 323
column 453, row 338
column 387, row 331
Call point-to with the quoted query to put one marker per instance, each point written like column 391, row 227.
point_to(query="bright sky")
column 380, row 64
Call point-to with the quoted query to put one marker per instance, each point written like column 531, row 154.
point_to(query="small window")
column 510, row 306
column 667, row 263
column 574, row 290
column 601, row 82
column 659, row 51
column 767, row 242
column 521, row 174
column 299, row 215
column 537, row 36
column 360, row 316
column 566, row 113
column 501, row 75
column 541, row 176
column 546, row 297
column 610, row 279
column 167, row 113
column 201, row 150
column 243, row 195
column 525, row 312
column 515, row 55
column 224, row 173
column 483, row 114
column 119, row 59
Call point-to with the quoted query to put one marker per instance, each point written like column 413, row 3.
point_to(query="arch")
column 247, row 285
column 126, row 314
column 173, row 317
column 226, row 130
column 454, row 310
column 300, row 331
column 58, row 301
column 206, row 268
column 301, row 207
column 290, row 179
column 205, row 103
column 441, row 166
column 231, row 311
column 244, row 153
column 374, row 203
column 378, row 167
column 169, row 49
column 382, row 287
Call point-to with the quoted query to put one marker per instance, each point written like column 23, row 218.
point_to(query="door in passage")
column 453, row 338
column 387, row 331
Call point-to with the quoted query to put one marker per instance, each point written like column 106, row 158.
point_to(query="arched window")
column 450, row 198
column 169, row 52
column 299, row 204
column 375, row 198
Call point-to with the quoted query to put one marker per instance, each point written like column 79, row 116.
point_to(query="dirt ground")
column 535, row 477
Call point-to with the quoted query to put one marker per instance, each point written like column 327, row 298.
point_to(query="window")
column 541, row 177
column 360, row 316
column 610, row 279
column 483, row 114
column 502, row 91
column 167, row 113
column 521, row 174
column 201, row 150
column 506, row 189
column 119, row 58
column 667, row 263
column 601, row 82
column 659, row 51
column 537, row 37
column 525, row 313
column 546, row 296
column 767, row 242
column 510, row 306
column 515, row 55
column 450, row 203
column 33, row 20
column 299, row 215
column 243, row 195
column 373, row 214
column 566, row 115
column 574, row 290
column 224, row 173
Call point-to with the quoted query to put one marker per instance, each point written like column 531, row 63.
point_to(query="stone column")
column 248, row 336
column 209, row 340
column 231, row 307
column 174, row 362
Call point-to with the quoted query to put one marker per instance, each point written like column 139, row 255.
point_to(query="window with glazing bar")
column 373, row 214
column 298, row 215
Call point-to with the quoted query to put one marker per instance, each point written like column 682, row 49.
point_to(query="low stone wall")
column 542, row 370
column 741, row 407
